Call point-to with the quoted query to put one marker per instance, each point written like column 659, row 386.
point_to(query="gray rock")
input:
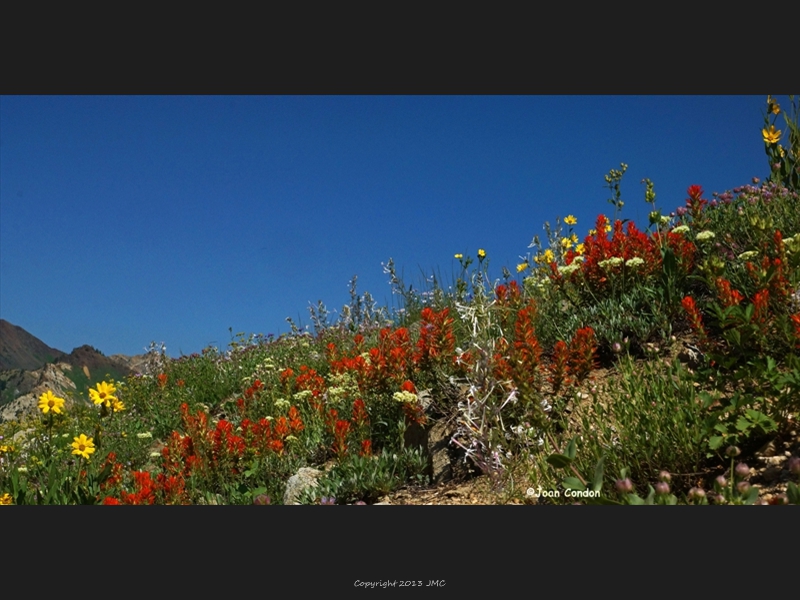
column 304, row 479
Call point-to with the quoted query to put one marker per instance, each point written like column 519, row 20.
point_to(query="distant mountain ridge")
column 21, row 350
column 28, row 367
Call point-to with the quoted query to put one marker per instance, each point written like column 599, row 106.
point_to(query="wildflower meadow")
column 616, row 363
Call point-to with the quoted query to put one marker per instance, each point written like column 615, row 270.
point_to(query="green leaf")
column 751, row 496
column 559, row 461
column 635, row 500
column 793, row 493
column 603, row 500
column 573, row 483
column 571, row 449
column 743, row 424
column 597, row 482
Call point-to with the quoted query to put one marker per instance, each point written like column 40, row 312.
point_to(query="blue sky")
column 131, row 219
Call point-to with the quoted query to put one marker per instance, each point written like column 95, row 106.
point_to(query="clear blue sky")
column 126, row 220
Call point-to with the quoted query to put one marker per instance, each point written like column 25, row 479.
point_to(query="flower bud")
column 664, row 476
column 721, row 481
column 662, row 488
column 624, row 486
column 742, row 471
column 732, row 451
column 794, row 465
column 743, row 487
column 696, row 494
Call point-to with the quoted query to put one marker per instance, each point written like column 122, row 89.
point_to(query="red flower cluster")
column 695, row 318
column 559, row 366
column 582, row 353
column 727, row 295
column 796, row 324
column 695, row 203
column 624, row 244
column 436, row 344
column 307, row 380
column 508, row 295
column 166, row 489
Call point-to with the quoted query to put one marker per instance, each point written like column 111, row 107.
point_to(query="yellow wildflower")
column 522, row 266
column 592, row 231
column 548, row 256
column 773, row 106
column 580, row 248
column 6, row 500
column 481, row 253
column 459, row 256
column 771, row 135
column 566, row 243
column 117, row 405
column 83, row 446
column 104, row 394
column 573, row 238
column 570, row 220
column 49, row 401
column 608, row 227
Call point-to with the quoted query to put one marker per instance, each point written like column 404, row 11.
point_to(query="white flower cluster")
column 568, row 269
column 704, row 236
column 614, row 261
column 405, row 397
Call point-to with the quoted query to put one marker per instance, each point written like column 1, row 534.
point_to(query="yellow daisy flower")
column 771, row 135
column 481, row 253
column 458, row 256
column 580, row 248
column 592, row 231
column 548, row 256
column 117, row 405
column 104, row 394
column 49, row 401
column 522, row 266
column 6, row 500
column 566, row 243
column 573, row 238
column 83, row 446
column 570, row 220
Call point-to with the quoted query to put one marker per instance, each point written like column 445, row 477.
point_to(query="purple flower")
column 681, row 210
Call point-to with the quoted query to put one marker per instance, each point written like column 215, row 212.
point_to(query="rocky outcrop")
column 32, row 384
